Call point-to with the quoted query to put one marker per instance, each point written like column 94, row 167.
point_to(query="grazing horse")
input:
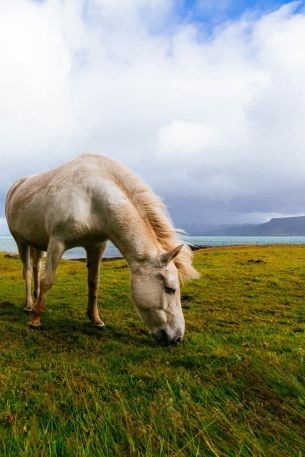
column 86, row 202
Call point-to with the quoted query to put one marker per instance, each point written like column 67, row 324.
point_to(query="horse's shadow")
column 113, row 332
column 67, row 330
column 9, row 311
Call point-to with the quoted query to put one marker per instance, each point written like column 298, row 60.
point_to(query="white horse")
column 86, row 202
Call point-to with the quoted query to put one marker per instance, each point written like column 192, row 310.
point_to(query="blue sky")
column 210, row 15
column 203, row 99
column 215, row 12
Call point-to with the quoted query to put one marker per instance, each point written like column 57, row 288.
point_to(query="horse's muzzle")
column 162, row 337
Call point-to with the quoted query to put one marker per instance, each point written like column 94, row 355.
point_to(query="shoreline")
column 15, row 255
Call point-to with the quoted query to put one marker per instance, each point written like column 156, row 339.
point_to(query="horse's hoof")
column 34, row 326
column 27, row 310
column 101, row 327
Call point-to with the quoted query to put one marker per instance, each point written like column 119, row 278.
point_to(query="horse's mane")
column 153, row 211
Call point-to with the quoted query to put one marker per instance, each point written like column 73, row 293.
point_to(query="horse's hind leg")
column 37, row 256
column 24, row 252
column 55, row 251
column 94, row 257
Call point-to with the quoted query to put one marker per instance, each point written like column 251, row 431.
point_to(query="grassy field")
column 235, row 387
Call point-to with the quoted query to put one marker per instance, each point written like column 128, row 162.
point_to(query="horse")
column 86, row 202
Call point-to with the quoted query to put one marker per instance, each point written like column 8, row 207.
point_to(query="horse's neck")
column 132, row 236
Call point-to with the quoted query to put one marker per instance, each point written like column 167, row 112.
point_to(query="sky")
column 204, row 100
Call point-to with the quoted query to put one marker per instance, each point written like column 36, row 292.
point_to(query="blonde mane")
column 154, row 212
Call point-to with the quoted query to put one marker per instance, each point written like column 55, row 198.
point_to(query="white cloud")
column 220, row 118
column 185, row 138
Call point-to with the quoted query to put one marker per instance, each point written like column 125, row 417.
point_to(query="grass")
column 235, row 387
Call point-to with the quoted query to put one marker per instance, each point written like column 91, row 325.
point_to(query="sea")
column 8, row 244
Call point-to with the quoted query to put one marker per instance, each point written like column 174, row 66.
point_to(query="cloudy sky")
column 205, row 100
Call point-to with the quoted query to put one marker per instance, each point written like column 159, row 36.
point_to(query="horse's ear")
column 168, row 256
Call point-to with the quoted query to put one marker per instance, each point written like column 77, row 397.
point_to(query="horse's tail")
column 11, row 192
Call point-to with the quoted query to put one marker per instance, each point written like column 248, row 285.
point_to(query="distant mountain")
column 284, row 226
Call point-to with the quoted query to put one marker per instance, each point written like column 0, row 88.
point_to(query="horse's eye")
column 169, row 290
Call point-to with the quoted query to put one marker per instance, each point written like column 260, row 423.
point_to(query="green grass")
column 235, row 387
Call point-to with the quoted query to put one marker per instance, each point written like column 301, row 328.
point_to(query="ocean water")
column 8, row 244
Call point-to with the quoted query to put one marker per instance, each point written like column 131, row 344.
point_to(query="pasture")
column 235, row 387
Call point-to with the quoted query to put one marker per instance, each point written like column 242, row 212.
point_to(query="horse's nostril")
column 161, row 336
column 164, row 337
column 178, row 340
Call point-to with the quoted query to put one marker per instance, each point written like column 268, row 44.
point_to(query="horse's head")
column 156, row 294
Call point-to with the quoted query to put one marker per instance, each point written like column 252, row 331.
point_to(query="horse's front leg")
column 94, row 257
column 37, row 256
column 55, row 251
